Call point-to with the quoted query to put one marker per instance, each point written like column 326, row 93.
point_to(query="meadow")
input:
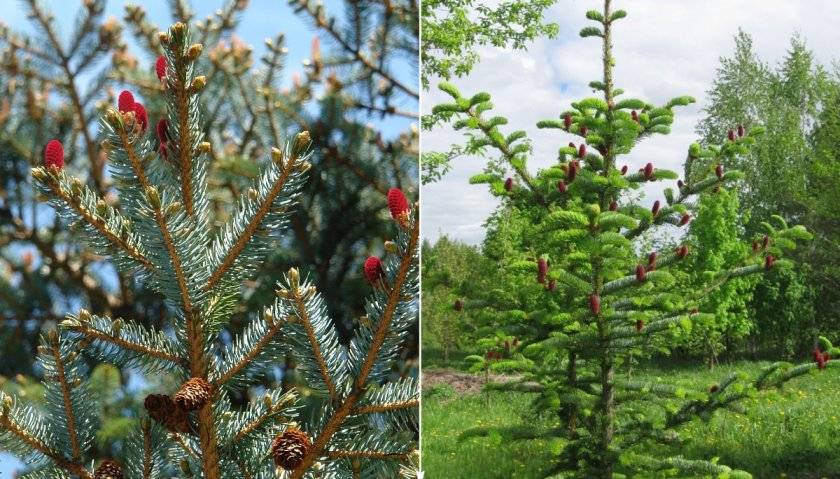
column 789, row 433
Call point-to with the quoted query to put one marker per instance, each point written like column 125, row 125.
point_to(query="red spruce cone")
column 552, row 285
column 715, row 388
column 561, row 186
column 459, row 305
column 162, row 130
column 719, row 170
column 164, row 410
column 542, row 270
column 634, row 115
column 624, row 170
column 651, row 261
column 655, row 208
column 571, row 172
column 682, row 252
column 582, row 151
column 289, row 449
column 54, row 155
column 398, row 204
column 595, row 304
column 613, row 205
column 680, row 184
column 509, row 184
column 160, row 67
column 640, row 324
column 740, row 130
column 125, row 102
column 640, row 273
column 755, row 246
column 583, row 131
column 769, row 261
column 194, row 394
column 648, row 170
column 685, row 219
column 765, row 242
column 572, row 145
column 731, row 135
column 567, row 121
column 108, row 470
column 373, row 269
column 140, row 116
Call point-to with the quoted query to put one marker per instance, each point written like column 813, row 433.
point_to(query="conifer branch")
column 246, row 359
column 148, row 462
column 265, row 207
column 393, row 406
column 394, row 456
column 313, row 341
column 359, row 385
column 115, row 239
column 70, row 466
column 65, row 393
column 86, row 331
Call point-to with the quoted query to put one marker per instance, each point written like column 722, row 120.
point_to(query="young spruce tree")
column 602, row 301
column 362, row 423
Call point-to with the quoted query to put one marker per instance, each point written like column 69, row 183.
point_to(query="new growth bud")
column 302, row 141
column 194, row 51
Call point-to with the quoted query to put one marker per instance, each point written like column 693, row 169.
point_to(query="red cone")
column 655, row 208
column 769, row 261
column 685, row 219
column 140, row 115
column 634, row 115
column 162, row 130
column 561, row 186
column 682, row 252
column 640, row 273
column 613, row 205
column 54, row 155
column 595, row 304
column 567, row 121
column 542, row 270
column 373, row 269
column 160, row 67
column 719, row 170
column 582, row 151
column 640, row 324
column 740, row 130
column 509, row 184
column 125, row 101
column 398, row 204
column 649, row 170
column 583, row 131
column 731, row 135
column 624, row 170
column 651, row 261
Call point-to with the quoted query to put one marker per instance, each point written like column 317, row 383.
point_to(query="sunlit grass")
column 793, row 433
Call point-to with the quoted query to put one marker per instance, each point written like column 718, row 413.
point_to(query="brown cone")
column 193, row 394
column 289, row 449
column 164, row 410
column 108, row 470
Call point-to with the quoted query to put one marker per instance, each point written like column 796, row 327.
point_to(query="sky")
column 263, row 19
column 663, row 49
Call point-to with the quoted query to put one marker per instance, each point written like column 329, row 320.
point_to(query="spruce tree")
column 351, row 419
column 600, row 299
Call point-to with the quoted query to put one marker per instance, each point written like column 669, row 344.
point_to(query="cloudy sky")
column 663, row 49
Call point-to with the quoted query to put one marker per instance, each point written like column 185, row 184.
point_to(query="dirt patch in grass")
column 461, row 382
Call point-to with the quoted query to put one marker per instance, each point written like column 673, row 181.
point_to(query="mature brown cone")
column 164, row 410
column 193, row 394
column 289, row 448
column 108, row 470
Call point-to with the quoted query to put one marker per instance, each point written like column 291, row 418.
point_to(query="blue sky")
column 663, row 49
column 263, row 19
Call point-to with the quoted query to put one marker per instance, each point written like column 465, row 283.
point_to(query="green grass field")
column 792, row 433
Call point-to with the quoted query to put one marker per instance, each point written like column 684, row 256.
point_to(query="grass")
column 792, row 433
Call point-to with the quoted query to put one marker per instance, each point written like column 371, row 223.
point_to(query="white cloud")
column 663, row 49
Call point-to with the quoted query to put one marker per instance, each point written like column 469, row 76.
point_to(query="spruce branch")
column 394, row 297
column 82, row 203
column 19, row 433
